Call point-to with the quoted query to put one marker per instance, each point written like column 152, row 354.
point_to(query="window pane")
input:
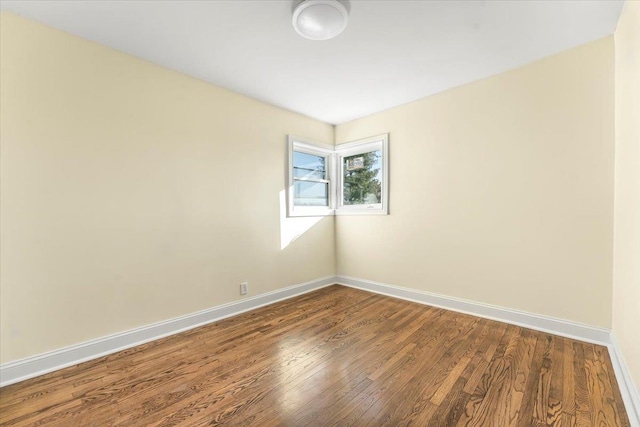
column 309, row 166
column 309, row 193
column 362, row 177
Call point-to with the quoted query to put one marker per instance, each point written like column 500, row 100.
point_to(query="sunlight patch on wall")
column 292, row 228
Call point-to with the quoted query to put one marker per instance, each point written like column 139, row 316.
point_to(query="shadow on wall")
column 292, row 228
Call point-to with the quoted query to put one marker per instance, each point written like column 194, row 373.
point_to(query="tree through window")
column 362, row 174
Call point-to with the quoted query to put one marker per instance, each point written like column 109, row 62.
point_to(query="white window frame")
column 374, row 143
column 334, row 159
column 316, row 149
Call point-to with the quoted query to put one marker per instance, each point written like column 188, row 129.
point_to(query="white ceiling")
column 392, row 52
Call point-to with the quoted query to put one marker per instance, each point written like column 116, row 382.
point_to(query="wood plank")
column 482, row 405
column 568, row 382
column 607, row 367
column 543, row 388
column 554, row 404
column 582, row 400
column 450, row 409
column 602, row 395
column 517, row 390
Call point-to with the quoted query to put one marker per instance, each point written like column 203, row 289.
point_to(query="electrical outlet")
column 244, row 288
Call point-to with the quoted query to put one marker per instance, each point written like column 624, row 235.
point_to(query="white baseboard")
column 34, row 366
column 538, row 322
column 629, row 391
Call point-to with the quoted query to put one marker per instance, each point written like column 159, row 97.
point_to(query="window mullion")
column 322, row 181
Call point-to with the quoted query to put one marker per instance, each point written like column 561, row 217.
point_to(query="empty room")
column 320, row 213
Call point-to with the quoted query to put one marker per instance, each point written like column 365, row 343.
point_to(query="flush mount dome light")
column 320, row 19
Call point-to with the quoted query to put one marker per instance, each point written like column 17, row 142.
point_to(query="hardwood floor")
column 336, row 356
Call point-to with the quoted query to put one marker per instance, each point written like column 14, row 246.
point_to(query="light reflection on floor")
column 296, row 358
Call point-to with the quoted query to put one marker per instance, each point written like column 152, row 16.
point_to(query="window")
column 310, row 178
column 350, row 179
column 363, row 180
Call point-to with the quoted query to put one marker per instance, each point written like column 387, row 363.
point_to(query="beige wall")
column 626, row 264
column 501, row 191
column 132, row 194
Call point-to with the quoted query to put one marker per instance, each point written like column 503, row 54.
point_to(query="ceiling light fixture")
column 320, row 19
